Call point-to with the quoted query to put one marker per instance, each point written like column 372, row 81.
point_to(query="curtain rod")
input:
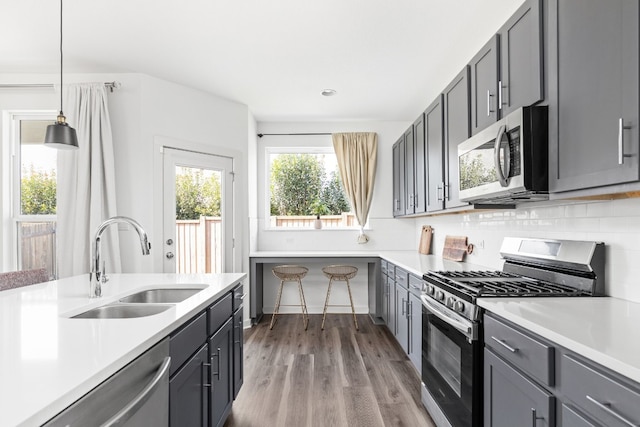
column 109, row 85
column 260, row 135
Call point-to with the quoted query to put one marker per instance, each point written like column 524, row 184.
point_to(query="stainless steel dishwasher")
column 135, row 396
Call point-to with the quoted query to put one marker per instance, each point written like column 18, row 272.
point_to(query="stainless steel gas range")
column 452, row 338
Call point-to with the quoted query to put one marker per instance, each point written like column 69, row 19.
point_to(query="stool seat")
column 290, row 273
column 339, row 273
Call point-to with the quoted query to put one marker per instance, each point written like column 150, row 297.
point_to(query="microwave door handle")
column 496, row 158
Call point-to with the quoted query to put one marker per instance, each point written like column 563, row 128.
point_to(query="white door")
column 197, row 212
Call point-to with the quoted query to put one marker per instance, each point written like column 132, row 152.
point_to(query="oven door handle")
column 466, row 328
column 502, row 170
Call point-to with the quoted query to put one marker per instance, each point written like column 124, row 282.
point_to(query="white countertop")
column 602, row 329
column 48, row 360
column 412, row 261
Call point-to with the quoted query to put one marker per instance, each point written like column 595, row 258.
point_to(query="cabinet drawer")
column 606, row 399
column 524, row 351
column 415, row 285
column 186, row 341
column 571, row 418
column 238, row 297
column 402, row 277
column 219, row 313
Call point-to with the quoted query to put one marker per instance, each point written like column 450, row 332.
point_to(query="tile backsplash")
column 614, row 222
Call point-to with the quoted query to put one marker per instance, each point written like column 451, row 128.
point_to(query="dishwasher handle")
column 125, row 413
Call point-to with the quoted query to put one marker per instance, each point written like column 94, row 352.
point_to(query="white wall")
column 616, row 223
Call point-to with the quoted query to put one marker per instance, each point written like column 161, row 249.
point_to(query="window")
column 33, row 193
column 304, row 183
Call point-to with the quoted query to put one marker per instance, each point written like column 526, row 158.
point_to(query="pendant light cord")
column 61, row 58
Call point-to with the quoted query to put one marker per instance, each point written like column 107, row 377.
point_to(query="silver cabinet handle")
column 403, row 308
column 204, row 381
column 535, row 417
column 621, row 128
column 440, row 192
column 607, row 408
column 217, row 356
column 505, row 345
column 132, row 407
column 489, row 96
column 415, row 200
column 446, row 192
column 499, row 94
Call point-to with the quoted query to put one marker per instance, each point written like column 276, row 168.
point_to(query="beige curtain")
column 357, row 156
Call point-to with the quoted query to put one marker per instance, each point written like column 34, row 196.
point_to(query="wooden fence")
column 199, row 245
column 306, row 221
column 37, row 246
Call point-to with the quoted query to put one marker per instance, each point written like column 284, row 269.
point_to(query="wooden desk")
column 258, row 259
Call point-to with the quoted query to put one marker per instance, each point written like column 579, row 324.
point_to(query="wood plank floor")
column 335, row 377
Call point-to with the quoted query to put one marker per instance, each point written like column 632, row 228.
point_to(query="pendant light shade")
column 60, row 135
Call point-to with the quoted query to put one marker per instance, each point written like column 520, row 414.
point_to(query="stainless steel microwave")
column 507, row 163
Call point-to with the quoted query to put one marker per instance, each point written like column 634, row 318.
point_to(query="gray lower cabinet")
column 572, row 418
column 594, row 95
column 402, row 320
column 221, row 360
column 415, row 330
column 188, row 392
column 384, row 277
column 391, row 301
column 238, row 340
column 512, row 399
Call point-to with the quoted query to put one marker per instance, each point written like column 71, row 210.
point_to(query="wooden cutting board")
column 425, row 240
column 455, row 247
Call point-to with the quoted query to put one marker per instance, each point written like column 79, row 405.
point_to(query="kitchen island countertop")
column 49, row 360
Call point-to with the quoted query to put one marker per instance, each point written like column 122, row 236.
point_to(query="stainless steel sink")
column 161, row 296
column 122, row 311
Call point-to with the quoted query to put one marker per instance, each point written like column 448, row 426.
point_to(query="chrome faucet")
column 97, row 276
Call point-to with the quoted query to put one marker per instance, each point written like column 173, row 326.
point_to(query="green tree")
column 333, row 196
column 197, row 194
column 38, row 193
column 296, row 183
column 473, row 173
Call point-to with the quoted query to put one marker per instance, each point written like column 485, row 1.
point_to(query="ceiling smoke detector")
column 328, row 92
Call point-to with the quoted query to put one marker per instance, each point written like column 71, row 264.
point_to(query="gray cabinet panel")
column 434, row 147
column 415, row 331
column 188, row 394
column 571, row 418
column 484, row 86
column 186, row 341
column 402, row 319
column 601, row 396
column 220, row 357
column 511, row 399
column 521, row 81
column 456, row 130
column 391, row 303
column 420, row 171
column 398, row 178
column 409, row 172
column 594, row 58
column 238, row 352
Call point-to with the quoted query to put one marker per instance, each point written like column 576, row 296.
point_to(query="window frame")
column 11, row 159
column 289, row 149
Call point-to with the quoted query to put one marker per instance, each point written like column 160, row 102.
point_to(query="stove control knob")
column 431, row 290
column 440, row 296
column 450, row 302
column 458, row 306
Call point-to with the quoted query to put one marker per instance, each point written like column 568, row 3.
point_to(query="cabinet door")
column 391, row 292
column 238, row 352
column 402, row 320
column 511, row 399
column 593, row 116
column 221, row 357
column 385, row 299
column 398, row 178
column 415, row 331
column 420, row 171
column 409, row 171
column 484, row 86
column 456, row 123
column 520, row 81
column 434, row 144
column 189, row 393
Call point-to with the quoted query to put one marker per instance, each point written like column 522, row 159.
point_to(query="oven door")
column 452, row 363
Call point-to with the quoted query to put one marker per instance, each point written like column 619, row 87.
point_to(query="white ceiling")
column 386, row 59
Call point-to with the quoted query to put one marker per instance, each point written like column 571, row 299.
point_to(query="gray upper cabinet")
column 420, row 170
column 434, row 149
column 484, row 86
column 409, row 172
column 520, row 81
column 398, row 178
column 593, row 91
column 456, row 130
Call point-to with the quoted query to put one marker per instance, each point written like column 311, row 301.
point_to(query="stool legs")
column 326, row 303
column 303, row 305
column 353, row 311
column 277, row 308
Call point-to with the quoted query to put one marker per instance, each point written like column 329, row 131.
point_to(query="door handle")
column 499, row 94
column 501, row 170
column 489, row 96
column 621, row 129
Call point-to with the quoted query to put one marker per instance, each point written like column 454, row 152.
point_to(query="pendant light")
column 60, row 135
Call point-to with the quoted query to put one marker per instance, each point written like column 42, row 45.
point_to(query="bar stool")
column 290, row 273
column 340, row 273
